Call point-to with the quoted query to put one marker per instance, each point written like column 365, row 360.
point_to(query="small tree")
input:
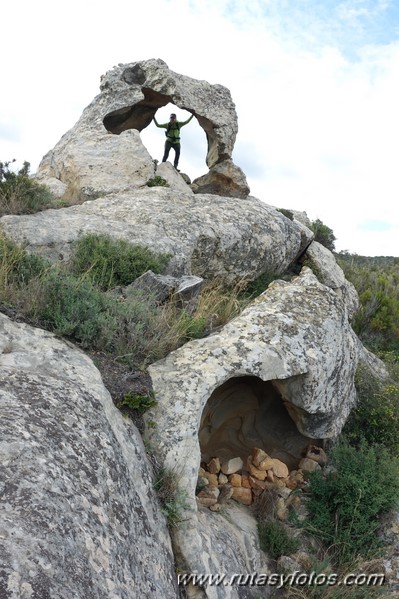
column 19, row 194
column 323, row 234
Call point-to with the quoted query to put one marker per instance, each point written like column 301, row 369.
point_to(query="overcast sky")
column 315, row 83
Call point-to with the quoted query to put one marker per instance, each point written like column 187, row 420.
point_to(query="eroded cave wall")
column 246, row 412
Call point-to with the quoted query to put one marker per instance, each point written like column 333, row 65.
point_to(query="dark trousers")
column 176, row 147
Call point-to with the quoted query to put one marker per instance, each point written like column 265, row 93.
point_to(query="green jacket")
column 173, row 134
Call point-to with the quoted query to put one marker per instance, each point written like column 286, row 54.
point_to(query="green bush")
column 345, row 504
column 375, row 418
column 133, row 330
column 72, row 307
column 108, row 262
column 275, row 540
column 16, row 265
column 261, row 283
column 19, row 194
column 157, row 181
column 323, row 234
column 377, row 282
column 139, row 403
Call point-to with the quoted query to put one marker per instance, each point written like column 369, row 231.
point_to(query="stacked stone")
column 219, row 481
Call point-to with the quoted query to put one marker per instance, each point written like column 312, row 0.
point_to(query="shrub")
column 377, row 282
column 19, row 194
column 157, row 181
column 345, row 504
column 323, row 234
column 375, row 418
column 72, row 307
column 109, row 263
column 17, row 268
column 173, row 500
column 275, row 540
column 260, row 284
column 139, row 403
column 133, row 330
column 288, row 213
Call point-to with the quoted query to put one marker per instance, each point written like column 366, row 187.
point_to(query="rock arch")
column 141, row 114
column 152, row 85
column 88, row 162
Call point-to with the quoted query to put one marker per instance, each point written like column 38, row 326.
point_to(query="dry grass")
column 218, row 304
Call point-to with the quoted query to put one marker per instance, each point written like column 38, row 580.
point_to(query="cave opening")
column 246, row 412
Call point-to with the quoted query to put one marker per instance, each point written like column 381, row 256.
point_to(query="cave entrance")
column 246, row 412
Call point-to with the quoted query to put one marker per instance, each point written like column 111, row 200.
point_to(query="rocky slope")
column 80, row 517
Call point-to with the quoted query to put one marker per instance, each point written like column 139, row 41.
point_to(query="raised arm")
column 182, row 123
column 163, row 126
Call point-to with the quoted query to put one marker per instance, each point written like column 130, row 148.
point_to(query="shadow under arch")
column 246, row 412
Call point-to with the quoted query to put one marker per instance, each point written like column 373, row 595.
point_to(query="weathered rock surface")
column 225, row 179
column 174, row 179
column 162, row 287
column 78, row 516
column 325, row 267
column 231, row 539
column 103, row 152
column 206, row 235
column 293, row 349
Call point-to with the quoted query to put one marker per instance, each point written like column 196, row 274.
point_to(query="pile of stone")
column 219, row 481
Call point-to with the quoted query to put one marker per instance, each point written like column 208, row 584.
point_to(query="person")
column 172, row 136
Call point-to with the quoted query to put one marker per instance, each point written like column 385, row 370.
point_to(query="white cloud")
column 315, row 89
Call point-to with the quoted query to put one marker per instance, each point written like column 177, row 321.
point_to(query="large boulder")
column 206, row 235
column 277, row 375
column 322, row 261
column 78, row 514
column 103, row 152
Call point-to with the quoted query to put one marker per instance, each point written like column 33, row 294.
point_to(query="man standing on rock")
column 172, row 136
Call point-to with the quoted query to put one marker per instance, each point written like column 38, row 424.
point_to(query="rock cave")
column 246, row 412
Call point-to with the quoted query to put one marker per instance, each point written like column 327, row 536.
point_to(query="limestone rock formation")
column 78, row 515
column 81, row 519
column 103, row 152
column 206, row 235
column 322, row 261
column 286, row 364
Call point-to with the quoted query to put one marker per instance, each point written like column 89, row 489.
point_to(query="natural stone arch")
column 246, row 412
column 132, row 94
column 141, row 114
column 87, row 162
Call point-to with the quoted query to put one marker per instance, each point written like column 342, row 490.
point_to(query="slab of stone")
column 206, row 236
column 78, row 514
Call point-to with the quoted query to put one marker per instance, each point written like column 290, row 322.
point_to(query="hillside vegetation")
column 377, row 283
column 79, row 301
